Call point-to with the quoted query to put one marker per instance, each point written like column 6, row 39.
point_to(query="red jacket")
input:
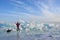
column 17, row 24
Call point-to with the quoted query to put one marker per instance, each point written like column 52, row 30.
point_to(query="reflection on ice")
column 18, row 36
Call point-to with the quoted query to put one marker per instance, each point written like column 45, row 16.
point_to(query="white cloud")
column 44, row 8
column 49, row 15
column 20, row 4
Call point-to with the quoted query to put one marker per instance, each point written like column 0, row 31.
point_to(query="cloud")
column 41, row 6
column 49, row 15
column 45, row 9
column 20, row 4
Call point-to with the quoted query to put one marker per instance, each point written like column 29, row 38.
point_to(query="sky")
column 42, row 10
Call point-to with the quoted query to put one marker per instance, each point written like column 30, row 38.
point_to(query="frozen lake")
column 30, row 32
column 26, row 36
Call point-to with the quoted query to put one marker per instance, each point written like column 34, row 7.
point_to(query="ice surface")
column 30, row 31
column 25, row 36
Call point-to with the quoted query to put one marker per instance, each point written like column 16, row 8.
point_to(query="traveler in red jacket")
column 17, row 24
